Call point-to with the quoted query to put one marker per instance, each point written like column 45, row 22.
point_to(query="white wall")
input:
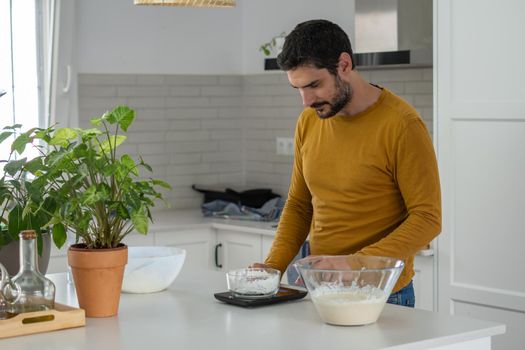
column 118, row 37
column 264, row 19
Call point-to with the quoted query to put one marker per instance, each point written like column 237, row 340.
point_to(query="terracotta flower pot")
column 98, row 277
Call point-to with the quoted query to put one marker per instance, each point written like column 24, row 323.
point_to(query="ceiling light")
column 188, row 3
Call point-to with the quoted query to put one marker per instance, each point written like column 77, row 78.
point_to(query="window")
column 19, row 72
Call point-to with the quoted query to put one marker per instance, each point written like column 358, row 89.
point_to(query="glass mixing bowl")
column 349, row 290
column 253, row 283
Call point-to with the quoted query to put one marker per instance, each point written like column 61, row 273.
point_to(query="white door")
column 237, row 249
column 480, row 116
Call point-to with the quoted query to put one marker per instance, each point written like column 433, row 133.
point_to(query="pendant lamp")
column 188, row 3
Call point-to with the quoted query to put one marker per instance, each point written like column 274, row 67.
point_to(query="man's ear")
column 345, row 63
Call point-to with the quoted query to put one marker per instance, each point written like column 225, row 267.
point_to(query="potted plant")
column 16, row 193
column 271, row 49
column 102, row 199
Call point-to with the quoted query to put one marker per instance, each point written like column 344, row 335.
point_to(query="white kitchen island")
column 187, row 316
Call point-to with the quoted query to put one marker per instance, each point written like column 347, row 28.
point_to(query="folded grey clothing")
column 270, row 211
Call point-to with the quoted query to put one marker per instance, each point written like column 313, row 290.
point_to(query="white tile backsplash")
column 211, row 129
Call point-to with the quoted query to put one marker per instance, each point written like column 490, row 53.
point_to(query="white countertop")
column 187, row 316
column 193, row 218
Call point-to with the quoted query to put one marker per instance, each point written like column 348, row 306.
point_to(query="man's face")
column 326, row 93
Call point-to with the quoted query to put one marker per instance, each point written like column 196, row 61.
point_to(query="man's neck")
column 364, row 95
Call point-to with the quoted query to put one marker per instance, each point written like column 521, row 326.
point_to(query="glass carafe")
column 9, row 293
column 37, row 293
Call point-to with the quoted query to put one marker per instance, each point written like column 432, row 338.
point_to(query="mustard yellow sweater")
column 363, row 184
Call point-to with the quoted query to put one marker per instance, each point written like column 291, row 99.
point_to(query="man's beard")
column 342, row 98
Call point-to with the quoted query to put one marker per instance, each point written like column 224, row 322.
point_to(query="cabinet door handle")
column 217, row 246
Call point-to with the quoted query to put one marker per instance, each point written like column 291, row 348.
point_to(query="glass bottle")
column 37, row 293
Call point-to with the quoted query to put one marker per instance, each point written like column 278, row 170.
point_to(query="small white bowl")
column 152, row 269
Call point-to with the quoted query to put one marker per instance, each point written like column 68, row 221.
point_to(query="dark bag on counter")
column 251, row 198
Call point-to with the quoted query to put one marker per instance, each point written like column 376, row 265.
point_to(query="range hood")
column 393, row 33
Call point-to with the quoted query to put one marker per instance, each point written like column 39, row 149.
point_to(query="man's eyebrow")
column 312, row 83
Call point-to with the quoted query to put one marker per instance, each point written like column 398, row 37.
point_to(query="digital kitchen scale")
column 283, row 294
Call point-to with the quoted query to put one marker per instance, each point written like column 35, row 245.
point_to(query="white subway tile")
column 143, row 91
column 184, row 158
column 423, row 100
column 151, row 79
column 187, row 135
column 230, row 80
column 147, row 102
column 97, row 91
column 396, row 75
column 185, row 125
column 225, row 101
column 192, row 80
column 287, row 101
column 214, row 157
column 231, row 112
column 218, row 124
column 145, row 136
column 107, row 103
column 226, row 167
column 226, row 134
column 183, row 91
column 107, row 79
column 263, row 79
column 187, row 102
column 418, row 87
column 192, row 146
column 151, row 148
column 191, row 113
column 185, row 169
column 236, row 179
column 221, row 91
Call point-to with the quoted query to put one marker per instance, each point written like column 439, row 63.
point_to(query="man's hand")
column 259, row 266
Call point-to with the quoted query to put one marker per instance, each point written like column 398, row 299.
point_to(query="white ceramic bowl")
column 152, row 269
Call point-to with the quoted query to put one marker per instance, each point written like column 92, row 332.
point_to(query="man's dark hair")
column 317, row 42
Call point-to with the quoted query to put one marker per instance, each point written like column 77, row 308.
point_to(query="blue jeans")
column 403, row 297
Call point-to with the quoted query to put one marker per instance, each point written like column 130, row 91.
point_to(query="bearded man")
column 365, row 177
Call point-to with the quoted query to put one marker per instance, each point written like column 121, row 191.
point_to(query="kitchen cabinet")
column 235, row 250
column 424, row 280
column 199, row 244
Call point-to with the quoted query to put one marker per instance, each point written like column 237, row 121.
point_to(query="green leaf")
column 16, row 222
column 14, row 166
column 63, row 136
column 90, row 196
column 140, row 221
column 105, row 146
column 19, row 144
column 5, row 135
column 161, row 183
column 129, row 164
column 96, row 121
column 13, row 127
column 122, row 211
column 34, row 165
column 147, row 166
column 59, row 235
column 80, row 151
column 110, row 170
column 124, row 116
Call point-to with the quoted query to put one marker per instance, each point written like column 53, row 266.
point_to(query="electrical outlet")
column 284, row 146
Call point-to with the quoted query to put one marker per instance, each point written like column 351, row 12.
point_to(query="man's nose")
column 308, row 98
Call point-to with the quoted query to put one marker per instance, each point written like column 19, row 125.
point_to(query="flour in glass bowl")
column 253, row 282
column 349, row 305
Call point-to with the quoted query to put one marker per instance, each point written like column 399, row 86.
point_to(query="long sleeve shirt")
column 362, row 184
